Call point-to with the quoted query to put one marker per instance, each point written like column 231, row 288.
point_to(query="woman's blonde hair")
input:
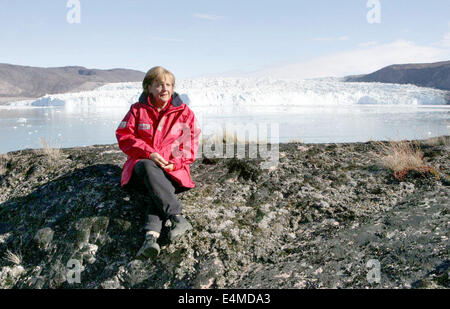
column 157, row 74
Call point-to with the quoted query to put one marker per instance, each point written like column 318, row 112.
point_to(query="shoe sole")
column 150, row 253
column 174, row 237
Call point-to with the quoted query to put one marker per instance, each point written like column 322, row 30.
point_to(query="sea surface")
column 309, row 111
column 25, row 127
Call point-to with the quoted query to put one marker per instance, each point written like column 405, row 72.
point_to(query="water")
column 64, row 126
column 22, row 128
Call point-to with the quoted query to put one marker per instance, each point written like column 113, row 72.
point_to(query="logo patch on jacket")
column 122, row 125
column 144, row 126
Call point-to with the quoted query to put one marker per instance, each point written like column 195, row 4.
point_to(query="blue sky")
column 194, row 38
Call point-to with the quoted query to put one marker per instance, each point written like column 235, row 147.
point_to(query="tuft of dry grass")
column 402, row 157
column 295, row 141
column 438, row 141
column 11, row 257
column 53, row 153
column 3, row 161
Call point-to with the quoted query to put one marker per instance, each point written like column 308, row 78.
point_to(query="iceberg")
column 239, row 92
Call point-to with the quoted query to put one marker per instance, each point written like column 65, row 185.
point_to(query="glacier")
column 229, row 92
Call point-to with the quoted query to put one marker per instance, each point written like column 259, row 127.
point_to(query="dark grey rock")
column 43, row 238
column 434, row 75
column 313, row 221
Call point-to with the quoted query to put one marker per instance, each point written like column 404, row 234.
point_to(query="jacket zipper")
column 161, row 124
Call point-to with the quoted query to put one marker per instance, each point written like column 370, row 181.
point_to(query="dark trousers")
column 162, row 189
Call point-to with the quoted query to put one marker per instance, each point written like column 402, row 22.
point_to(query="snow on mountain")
column 235, row 92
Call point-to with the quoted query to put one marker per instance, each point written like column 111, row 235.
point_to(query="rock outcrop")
column 322, row 218
column 25, row 82
column 434, row 75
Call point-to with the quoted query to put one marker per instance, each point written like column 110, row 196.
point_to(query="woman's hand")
column 168, row 167
column 158, row 159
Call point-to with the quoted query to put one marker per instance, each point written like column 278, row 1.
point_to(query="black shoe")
column 150, row 248
column 179, row 226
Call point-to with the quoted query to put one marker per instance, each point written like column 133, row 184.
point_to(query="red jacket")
column 173, row 133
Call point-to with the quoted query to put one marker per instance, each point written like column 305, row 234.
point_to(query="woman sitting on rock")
column 160, row 136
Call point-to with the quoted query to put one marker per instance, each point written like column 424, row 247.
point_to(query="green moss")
column 443, row 280
column 259, row 215
column 330, row 147
column 124, row 224
column 246, row 169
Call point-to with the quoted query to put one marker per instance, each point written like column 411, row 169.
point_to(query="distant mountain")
column 25, row 82
column 434, row 75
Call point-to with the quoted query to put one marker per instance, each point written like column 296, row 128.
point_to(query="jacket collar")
column 175, row 102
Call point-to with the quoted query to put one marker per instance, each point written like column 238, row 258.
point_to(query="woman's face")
column 161, row 90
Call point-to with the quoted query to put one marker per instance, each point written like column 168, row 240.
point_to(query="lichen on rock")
column 313, row 221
